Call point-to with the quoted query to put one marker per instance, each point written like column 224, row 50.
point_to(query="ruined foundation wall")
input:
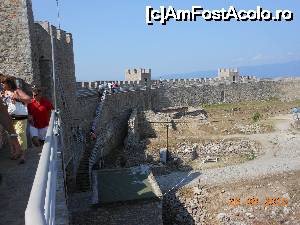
column 112, row 123
column 133, row 134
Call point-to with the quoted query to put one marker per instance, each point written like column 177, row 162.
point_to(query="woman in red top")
column 39, row 115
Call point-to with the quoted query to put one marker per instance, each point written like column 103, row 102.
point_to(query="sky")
column 111, row 36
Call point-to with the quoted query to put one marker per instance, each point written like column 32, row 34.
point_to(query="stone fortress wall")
column 118, row 107
column 139, row 84
column 195, row 94
column 28, row 56
column 188, row 92
column 25, row 53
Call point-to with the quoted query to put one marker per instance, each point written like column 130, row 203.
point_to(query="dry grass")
column 186, row 192
column 244, row 111
column 222, row 119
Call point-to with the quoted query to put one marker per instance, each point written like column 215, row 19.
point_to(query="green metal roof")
column 120, row 185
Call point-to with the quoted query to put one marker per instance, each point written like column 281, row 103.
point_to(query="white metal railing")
column 41, row 205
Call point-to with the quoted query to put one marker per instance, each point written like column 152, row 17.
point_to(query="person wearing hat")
column 39, row 111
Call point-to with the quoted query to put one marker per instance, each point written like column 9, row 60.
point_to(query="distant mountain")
column 273, row 70
column 262, row 71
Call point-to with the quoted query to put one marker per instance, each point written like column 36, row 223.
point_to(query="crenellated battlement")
column 226, row 70
column 138, row 71
column 69, row 38
column 167, row 82
column 121, row 83
column 60, row 34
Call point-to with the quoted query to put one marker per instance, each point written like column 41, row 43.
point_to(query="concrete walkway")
column 16, row 186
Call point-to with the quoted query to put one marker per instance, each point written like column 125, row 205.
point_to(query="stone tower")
column 229, row 74
column 143, row 75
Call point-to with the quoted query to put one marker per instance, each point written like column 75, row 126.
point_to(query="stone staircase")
column 82, row 176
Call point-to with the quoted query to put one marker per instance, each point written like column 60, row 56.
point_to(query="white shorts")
column 36, row 132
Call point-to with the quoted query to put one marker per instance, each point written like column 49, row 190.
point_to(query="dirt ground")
column 265, row 201
column 226, row 115
column 261, row 188
column 238, row 191
column 223, row 121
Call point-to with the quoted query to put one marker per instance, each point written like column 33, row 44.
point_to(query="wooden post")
column 167, row 137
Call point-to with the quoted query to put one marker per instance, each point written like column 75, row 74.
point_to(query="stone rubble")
column 186, row 206
column 186, row 152
column 199, row 114
column 215, row 148
column 295, row 125
column 248, row 128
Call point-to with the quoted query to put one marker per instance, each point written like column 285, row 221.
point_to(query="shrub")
column 273, row 99
column 251, row 156
column 256, row 116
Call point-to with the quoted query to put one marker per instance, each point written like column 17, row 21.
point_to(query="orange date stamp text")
column 253, row 201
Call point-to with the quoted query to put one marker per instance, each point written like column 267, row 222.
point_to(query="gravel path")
column 281, row 153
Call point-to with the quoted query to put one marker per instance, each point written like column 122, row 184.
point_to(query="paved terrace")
column 16, row 185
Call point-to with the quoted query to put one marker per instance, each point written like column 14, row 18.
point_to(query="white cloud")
column 258, row 57
column 240, row 59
